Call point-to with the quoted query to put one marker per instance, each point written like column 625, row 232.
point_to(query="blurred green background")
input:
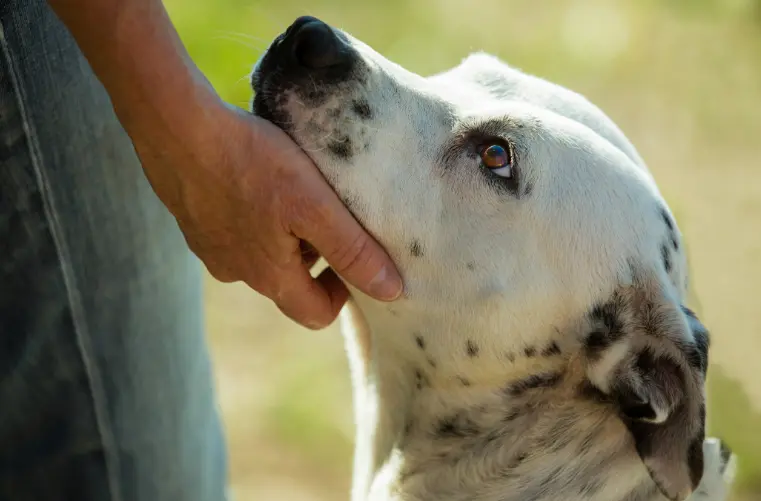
column 683, row 80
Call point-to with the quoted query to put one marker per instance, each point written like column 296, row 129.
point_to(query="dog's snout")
column 314, row 45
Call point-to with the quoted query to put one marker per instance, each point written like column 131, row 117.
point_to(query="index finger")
column 348, row 248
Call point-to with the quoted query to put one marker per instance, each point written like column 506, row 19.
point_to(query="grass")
column 683, row 80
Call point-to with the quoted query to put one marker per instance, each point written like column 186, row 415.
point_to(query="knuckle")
column 305, row 213
column 354, row 255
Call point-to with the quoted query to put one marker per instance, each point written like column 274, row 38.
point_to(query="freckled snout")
column 310, row 61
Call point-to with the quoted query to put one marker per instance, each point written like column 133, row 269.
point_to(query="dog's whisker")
column 245, row 36
column 256, row 48
column 246, row 77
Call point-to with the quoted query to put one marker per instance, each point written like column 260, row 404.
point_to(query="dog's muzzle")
column 308, row 52
column 313, row 45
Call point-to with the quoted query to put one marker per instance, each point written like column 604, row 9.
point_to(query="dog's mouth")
column 307, row 64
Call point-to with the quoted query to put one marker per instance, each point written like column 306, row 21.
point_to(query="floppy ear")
column 649, row 356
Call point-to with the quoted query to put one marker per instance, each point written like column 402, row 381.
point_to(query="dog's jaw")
column 399, row 418
column 398, row 373
column 502, row 287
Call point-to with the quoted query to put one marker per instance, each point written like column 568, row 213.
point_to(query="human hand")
column 254, row 208
column 245, row 196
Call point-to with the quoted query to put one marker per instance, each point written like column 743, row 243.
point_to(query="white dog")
column 541, row 350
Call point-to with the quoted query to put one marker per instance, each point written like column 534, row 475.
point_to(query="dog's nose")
column 314, row 45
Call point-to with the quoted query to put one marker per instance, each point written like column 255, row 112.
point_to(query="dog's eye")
column 498, row 159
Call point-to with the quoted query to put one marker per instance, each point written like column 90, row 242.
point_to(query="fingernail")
column 386, row 286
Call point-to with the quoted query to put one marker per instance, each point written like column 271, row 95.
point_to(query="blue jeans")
column 106, row 388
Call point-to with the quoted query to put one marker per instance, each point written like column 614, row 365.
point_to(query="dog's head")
column 512, row 203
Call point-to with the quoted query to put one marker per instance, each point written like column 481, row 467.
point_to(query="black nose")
column 314, row 44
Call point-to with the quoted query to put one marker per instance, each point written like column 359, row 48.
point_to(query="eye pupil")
column 495, row 157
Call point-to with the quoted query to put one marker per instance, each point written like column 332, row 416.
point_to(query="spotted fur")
column 541, row 351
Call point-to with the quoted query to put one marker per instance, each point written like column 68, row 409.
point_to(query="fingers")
column 309, row 254
column 222, row 270
column 314, row 303
column 351, row 251
column 335, row 289
column 310, row 209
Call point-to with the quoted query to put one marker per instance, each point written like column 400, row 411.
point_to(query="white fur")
column 506, row 272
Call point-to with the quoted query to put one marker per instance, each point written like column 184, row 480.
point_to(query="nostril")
column 316, row 46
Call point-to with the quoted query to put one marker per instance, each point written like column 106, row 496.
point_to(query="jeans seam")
column 84, row 345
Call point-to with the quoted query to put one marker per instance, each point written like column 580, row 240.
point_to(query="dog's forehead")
column 482, row 78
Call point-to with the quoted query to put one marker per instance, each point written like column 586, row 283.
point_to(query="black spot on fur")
column 416, row 249
column 528, row 189
column 597, row 341
column 666, row 219
column 697, row 354
column 530, row 351
column 362, row 109
column 609, row 326
column 456, row 426
column 510, row 356
column 688, row 312
column 511, row 415
column 408, row 427
column 587, row 391
column 471, row 348
column 521, row 457
column 420, row 380
column 671, row 227
column 312, row 97
column 341, row 148
column 666, row 258
column 431, row 362
column 420, row 341
column 647, row 362
column 551, row 349
column 463, row 381
column 537, row 381
column 471, row 266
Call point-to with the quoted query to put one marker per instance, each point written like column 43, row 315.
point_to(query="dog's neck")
column 412, row 364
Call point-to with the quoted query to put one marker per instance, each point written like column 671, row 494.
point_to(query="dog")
column 542, row 350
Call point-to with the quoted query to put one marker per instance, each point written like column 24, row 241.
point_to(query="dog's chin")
column 261, row 108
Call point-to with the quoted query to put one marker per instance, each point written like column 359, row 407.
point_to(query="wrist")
column 152, row 81
column 134, row 49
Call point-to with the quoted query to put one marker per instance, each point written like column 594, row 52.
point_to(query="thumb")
column 352, row 253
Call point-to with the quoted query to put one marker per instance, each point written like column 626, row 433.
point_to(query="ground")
column 682, row 79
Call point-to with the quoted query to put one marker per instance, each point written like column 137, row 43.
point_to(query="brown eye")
column 498, row 159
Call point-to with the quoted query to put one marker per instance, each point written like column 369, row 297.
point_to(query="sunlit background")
column 683, row 80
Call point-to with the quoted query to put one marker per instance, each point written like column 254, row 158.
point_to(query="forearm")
column 136, row 53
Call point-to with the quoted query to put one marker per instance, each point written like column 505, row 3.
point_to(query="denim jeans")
column 106, row 388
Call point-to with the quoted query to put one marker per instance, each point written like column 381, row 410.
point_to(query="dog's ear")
column 648, row 355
